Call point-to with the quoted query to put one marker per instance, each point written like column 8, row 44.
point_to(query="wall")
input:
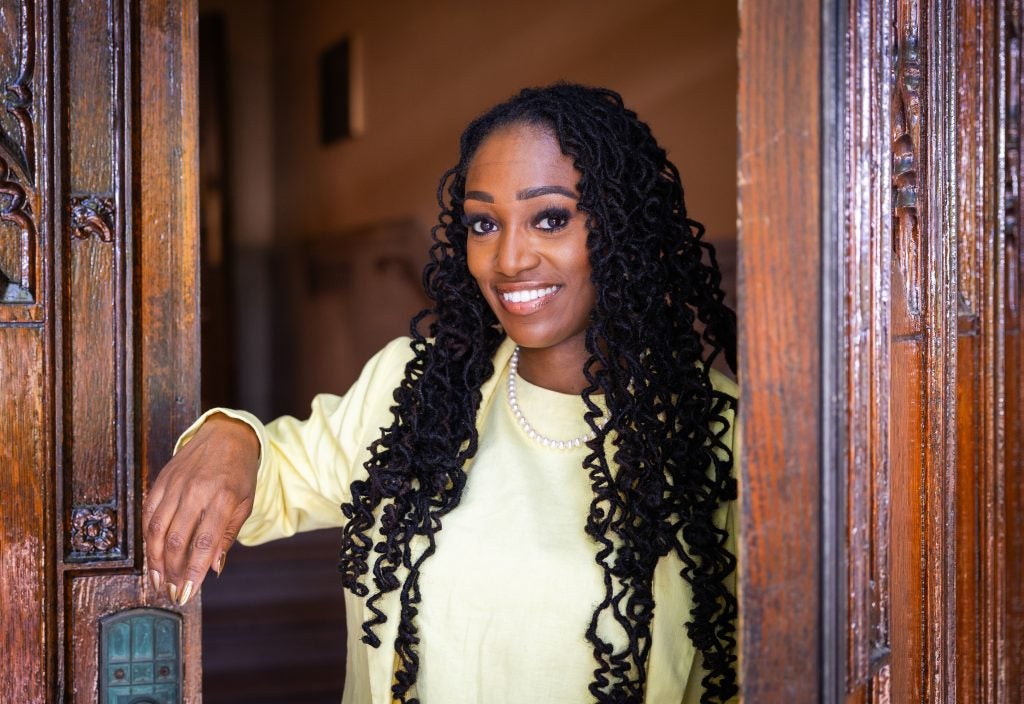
column 250, row 193
column 432, row 67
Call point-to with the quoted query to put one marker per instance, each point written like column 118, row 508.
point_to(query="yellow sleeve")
column 307, row 467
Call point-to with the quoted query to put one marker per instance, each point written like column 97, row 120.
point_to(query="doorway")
column 322, row 240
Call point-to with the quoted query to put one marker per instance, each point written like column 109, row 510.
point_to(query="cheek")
column 476, row 264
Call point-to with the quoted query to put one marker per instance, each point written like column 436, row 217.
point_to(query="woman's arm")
column 198, row 504
column 232, row 477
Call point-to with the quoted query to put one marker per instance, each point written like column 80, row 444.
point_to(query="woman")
column 534, row 496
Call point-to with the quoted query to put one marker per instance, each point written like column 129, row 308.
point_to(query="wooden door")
column 98, row 340
column 881, row 355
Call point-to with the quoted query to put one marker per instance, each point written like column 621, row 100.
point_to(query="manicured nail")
column 156, row 579
column 218, row 566
column 172, row 591
column 186, row 593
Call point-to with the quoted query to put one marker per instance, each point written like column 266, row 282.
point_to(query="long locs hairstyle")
column 658, row 324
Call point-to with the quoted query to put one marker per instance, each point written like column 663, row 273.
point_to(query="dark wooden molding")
column 884, row 114
column 834, row 390
column 1012, row 176
column 906, row 146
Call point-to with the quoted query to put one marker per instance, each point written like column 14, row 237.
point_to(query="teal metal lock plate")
column 140, row 657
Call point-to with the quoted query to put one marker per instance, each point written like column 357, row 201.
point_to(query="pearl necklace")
column 513, row 402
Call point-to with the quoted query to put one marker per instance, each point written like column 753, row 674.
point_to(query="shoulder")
column 397, row 352
column 390, row 361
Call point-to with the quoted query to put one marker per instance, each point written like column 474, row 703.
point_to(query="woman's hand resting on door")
column 198, row 504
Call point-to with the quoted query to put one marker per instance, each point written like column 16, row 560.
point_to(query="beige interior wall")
column 430, row 67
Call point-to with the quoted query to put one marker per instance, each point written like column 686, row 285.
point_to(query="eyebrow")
column 524, row 194
column 528, row 193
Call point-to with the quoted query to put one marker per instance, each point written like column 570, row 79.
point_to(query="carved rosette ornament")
column 92, row 216
column 94, row 531
column 906, row 138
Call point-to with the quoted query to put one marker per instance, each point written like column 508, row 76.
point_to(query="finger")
column 177, row 544
column 231, row 530
column 156, row 516
column 200, row 556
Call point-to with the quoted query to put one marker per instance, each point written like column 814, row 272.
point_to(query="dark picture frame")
column 340, row 94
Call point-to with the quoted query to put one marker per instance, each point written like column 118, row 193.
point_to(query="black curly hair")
column 658, row 324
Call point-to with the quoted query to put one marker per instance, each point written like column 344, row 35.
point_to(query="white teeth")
column 529, row 295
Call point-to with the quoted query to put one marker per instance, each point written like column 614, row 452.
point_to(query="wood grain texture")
column 907, row 524
column 130, row 331
column 165, row 226
column 779, row 313
column 91, row 45
column 873, row 243
column 981, row 372
column 25, row 565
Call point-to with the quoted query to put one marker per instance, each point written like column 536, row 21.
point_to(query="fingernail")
column 156, row 579
column 219, row 566
column 186, row 593
column 172, row 591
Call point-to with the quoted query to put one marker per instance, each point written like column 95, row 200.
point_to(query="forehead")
column 520, row 156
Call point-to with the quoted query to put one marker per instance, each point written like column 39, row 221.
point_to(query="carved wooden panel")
column 932, row 352
column 21, row 248
column 89, row 243
column 96, row 296
column 27, row 606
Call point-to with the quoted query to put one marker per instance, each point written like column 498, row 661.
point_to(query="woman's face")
column 527, row 242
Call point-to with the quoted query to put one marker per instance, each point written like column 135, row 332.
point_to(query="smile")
column 528, row 295
column 526, row 300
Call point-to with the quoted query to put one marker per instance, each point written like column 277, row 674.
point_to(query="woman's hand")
column 198, row 504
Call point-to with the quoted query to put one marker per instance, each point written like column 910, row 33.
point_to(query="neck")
column 557, row 368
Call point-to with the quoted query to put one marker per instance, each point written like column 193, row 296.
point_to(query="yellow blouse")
column 510, row 591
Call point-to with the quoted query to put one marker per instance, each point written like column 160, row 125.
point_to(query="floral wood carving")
column 16, row 69
column 906, row 140
column 92, row 216
column 94, row 532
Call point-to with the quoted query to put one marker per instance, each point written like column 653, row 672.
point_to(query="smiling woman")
column 527, row 250
column 586, row 554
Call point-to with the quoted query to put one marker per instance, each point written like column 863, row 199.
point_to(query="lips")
column 523, row 300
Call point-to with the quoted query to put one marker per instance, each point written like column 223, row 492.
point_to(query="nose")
column 515, row 252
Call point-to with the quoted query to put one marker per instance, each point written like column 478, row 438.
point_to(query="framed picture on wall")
column 341, row 91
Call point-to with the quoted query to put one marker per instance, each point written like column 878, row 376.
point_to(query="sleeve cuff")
column 244, row 416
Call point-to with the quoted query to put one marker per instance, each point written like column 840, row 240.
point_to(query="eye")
column 553, row 220
column 480, row 225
